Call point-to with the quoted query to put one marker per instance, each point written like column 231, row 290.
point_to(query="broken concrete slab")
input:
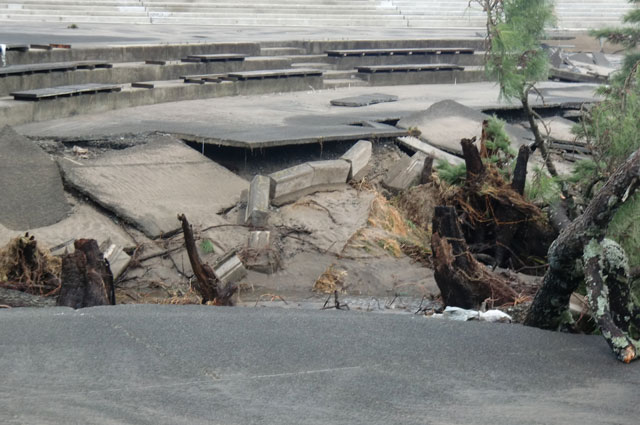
column 364, row 100
column 418, row 145
column 556, row 58
column 581, row 57
column 31, row 193
column 405, row 173
column 229, row 269
column 148, row 185
column 332, row 172
column 257, row 212
column 600, row 59
column 559, row 129
column 358, row 156
column 447, row 122
column 290, row 181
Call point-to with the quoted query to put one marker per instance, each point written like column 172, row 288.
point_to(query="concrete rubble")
column 580, row 67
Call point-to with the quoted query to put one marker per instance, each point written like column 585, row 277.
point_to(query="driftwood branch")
column 206, row 284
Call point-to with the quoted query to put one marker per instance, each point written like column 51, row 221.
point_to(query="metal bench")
column 402, row 52
column 65, row 91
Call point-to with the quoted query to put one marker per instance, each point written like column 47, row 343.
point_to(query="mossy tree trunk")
column 579, row 254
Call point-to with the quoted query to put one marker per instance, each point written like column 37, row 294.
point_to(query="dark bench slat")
column 409, row 68
column 65, row 91
column 401, row 51
column 50, row 67
column 275, row 73
column 218, row 57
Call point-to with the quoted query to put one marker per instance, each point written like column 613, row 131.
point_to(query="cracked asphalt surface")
column 145, row 364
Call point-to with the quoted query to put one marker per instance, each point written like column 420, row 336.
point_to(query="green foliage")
column 497, row 138
column 452, row 174
column 583, row 171
column 515, row 58
column 612, row 129
column 625, row 228
column 207, row 246
column 542, row 188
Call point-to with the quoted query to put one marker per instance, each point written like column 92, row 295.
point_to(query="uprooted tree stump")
column 87, row 280
column 463, row 282
column 581, row 253
column 499, row 224
column 207, row 284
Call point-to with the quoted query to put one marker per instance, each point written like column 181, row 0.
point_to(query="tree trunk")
column 87, row 280
column 463, row 282
column 520, row 173
column 572, row 254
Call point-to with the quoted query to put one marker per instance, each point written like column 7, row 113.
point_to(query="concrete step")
column 334, row 83
column 340, row 74
column 313, row 65
column 281, row 51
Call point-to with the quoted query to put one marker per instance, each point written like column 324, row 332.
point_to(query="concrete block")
column 358, row 156
column 257, row 212
column 289, row 181
column 229, row 268
column 259, row 255
column 330, row 172
column 405, row 173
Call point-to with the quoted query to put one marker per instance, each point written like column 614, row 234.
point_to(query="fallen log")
column 206, row 284
column 87, row 280
column 463, row 282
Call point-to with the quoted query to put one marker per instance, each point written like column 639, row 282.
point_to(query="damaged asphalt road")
column 147, row 364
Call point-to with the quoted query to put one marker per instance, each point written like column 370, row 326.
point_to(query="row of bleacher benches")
column 91, row 88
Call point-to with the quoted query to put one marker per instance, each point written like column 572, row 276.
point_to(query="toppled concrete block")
column 406, row 173
column 330, row 172
column 257, row 212
column 286, row 183
column 259, row 255
column 418, row 145
column 581, row 57
column 229, row 269
column 358, row 156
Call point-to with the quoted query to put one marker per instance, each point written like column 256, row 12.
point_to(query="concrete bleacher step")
column 340, row 74
column 335, row 83
column 281, row 51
